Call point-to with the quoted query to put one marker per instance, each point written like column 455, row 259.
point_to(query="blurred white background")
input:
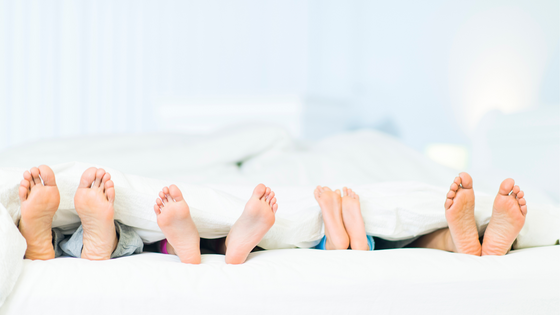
column 424, row 71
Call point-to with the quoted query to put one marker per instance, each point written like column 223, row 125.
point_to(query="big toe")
column 88, row 177
column 47, row 175
column 259, row 191
column 466, row 180
column 175, row 193
column 506, row 186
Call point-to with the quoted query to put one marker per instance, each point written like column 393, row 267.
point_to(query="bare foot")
column 331, row 207
column 39, row 201
column 353, row 220
column 459, row 212
column 508, row 217
column 94, row 203
column 174, row 220
column 255, row 221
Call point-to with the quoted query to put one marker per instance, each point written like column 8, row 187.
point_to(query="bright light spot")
column 450, row 155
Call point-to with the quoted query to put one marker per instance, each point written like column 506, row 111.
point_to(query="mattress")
column 295, row 281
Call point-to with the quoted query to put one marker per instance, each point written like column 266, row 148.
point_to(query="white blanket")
column 394, row 211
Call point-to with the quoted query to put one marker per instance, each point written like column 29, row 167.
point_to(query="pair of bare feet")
column 174, row 219
column 344, row 225
column 508, row 217
column 93, row 201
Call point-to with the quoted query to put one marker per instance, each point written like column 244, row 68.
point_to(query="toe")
column 451, row 194
column 466, row 180
column 27, row 176
column 270, row 197
column 506, row 187
column 316, row 193
column 259, row 191
column 110, row 191
column 168, row 197
column 275, row 207
column 522, row 201
column 175, row 193
column 344, row 191
column 23, row 190
column 35, row 176
column 448, row 203
column 157, row 210
column 523, row 209
column 454, row 187
column 516, row 189
column 272, row 202
column 325, row 188
column 87, row 178
column 520, row 194
column 25, row 183
column 457, row 180
column 163, row 197
column 104, row 180
column 47, row 175
column 98, row 177
column 337, row 192
column 159, row 203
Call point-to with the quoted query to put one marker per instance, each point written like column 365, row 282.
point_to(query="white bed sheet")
column 295, row 281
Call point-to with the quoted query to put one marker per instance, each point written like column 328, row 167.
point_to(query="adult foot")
column 174, row 220
column 39, row 201
column 459, row 212
column 94, row 203
column 508, row 217
column 255, row 221
column 353, row 220
column 331, row 207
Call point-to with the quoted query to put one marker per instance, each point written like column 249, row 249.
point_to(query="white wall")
column 426, row 70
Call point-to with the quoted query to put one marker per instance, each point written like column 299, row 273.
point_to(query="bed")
column 284, row 279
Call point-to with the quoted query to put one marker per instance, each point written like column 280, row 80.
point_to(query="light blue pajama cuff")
column 323, row 242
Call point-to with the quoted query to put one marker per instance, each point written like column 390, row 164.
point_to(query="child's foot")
column 248, row 231
column 459, row 212
column 330, row 203
column 353, row 220
column 174, row 220
column 94, row 203
column 39, row 201
column 508, row 217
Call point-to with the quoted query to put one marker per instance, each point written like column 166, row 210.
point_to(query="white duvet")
column 402, row 208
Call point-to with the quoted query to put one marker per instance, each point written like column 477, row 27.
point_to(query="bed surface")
column 295, row 281
column 285, row 281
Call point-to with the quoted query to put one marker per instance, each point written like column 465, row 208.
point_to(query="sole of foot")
column 39, row 198
column 257, row 218
column 353, row 220
column 508, row 218
column 174, row 220
column 459, row 212
column 93, row 201
column 330, row 203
